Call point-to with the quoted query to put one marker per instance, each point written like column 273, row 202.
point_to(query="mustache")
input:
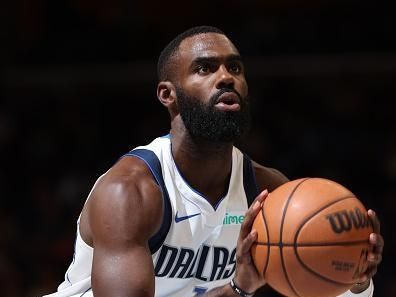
column 216, row 96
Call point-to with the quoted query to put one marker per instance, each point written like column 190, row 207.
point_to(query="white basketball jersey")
column 194, row 250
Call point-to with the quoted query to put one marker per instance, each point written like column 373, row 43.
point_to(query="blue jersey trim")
column 152, row 162
column 249, row 180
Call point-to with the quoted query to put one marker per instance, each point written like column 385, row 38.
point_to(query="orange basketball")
column 312, row 238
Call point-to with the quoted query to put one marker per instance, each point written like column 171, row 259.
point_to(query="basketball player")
column 174, row 217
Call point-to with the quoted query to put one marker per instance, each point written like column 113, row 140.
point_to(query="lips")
column 228, row 98
column 228, row 101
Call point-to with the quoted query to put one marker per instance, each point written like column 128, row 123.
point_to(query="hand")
column 246, row 275
column 374, row 257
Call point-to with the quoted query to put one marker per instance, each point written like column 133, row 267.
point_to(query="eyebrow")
column 214, row 59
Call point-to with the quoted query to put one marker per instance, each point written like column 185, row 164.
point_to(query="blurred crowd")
column 77, row 90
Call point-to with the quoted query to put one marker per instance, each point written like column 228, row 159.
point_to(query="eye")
column 235, row 68
column 203, row 68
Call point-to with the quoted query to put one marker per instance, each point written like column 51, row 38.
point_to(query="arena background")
column 78, row 90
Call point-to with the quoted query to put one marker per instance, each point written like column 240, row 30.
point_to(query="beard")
column 205, row 122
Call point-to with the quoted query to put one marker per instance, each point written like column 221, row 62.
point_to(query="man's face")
column 211, row 89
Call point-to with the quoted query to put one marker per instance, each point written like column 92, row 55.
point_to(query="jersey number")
column 199, row 290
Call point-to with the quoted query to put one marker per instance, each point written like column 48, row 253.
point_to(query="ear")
column 166, row 93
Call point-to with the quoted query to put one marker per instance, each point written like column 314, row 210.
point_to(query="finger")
column 251, row 214
column 260, row 197
column 374, row 258
column 372, row 266
column 369, row 273
column 248, row 242
column 363, row 278
column 377, row 243
column 374, row 221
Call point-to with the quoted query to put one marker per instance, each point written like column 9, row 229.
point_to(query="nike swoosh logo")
column 179, row 219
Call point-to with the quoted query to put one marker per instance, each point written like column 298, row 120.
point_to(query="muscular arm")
column 125, row 210
column 268, row 178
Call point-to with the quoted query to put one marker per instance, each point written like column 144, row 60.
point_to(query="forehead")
column 206, row 45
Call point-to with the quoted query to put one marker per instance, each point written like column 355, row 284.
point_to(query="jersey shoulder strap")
column 249, row 180
column 153, row 163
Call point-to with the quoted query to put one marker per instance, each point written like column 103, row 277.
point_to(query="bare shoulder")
column 124, row 205
column 268, row 178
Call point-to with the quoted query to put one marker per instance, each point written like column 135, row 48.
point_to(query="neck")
column 205, row 165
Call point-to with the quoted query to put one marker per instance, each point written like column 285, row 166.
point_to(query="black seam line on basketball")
column 268, row 239
column 298, row 232
column 281, row 235
column 317, row 212
column 313, row 244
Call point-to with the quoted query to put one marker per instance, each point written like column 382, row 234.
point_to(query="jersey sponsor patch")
column 234, row 218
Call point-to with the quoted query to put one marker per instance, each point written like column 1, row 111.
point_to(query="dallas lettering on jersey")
column 178, row 262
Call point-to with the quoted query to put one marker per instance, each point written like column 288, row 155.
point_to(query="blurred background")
column 77, row 90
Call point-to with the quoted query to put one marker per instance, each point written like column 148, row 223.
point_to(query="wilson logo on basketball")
column 345, row 220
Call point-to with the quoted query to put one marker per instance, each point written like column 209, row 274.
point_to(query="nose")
column 225, row 78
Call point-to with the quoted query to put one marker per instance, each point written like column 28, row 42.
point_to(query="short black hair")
column 164, row 69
